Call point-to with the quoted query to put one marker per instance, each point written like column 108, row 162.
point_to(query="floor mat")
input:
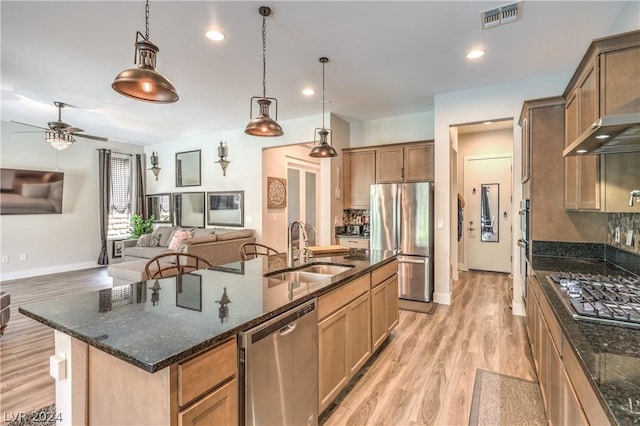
column 411, row 305
column 505, row 400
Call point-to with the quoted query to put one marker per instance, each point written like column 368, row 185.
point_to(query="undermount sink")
column 299, row 276
column 325, row 268
column 310, row 273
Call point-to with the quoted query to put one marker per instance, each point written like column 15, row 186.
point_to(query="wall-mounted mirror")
column 489, row 208
column 188, row 168
column 188, row 209
column 226, row 208
column 159, row 205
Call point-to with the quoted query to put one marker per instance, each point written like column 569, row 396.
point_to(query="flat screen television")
column 30, row 191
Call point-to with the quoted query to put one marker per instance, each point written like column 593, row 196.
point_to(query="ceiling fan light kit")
column 144, row 83
column 59, row 139
column 322, row 149
column 263, row 125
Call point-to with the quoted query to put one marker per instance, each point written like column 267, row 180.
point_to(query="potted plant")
column 141, row 226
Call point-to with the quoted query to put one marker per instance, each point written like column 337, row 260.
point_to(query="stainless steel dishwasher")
column 278, row 368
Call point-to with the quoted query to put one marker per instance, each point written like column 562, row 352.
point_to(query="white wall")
column 54, row 242
column 476, row 105
column 404, row 128
column 628, row 19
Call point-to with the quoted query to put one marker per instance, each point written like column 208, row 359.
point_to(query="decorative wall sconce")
column 223, row 151
column 154, row 164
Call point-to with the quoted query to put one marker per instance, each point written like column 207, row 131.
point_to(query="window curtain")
column 104, row 178
column 141, row 207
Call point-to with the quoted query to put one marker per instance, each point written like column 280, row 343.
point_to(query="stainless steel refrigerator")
column 402, row 219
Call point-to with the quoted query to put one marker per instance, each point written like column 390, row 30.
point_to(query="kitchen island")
column 602, row 362
column 152, row 352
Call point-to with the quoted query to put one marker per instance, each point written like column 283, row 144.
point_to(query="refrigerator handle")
column 412, row 260
column 397, row 220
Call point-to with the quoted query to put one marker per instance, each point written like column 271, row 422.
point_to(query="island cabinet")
column 606, row 82
column 202, row 390
column 344, row 336
column 384, row 302
column 346, row 318
column 413, row 162
column 568, row 398
column 359, row 174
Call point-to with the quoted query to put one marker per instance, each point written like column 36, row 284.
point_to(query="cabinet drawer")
column 217, row 408
column 333, row 301
column 204, row 372
column 360, row 243
column 383, row 272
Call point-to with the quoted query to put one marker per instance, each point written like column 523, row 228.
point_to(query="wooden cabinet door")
column 333, row 369
column 419, row 163
column 359, row 332
column 573, row 414
column 378, row 326
column 588, row 95
column 589, row 182
column 389, row 165
column 359, row 175
column 391, row 309
column 526, row 151
column 218, row 408
column 620, row 80
column 555, row 401
column 571, row 124
column 571, row 165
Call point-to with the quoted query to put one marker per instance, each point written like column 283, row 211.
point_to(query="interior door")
column 487, row 218
column 302, row 200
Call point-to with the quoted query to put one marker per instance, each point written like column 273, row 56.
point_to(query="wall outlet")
column 630, row 237
column 617, row 234
column 23, row 257
column 5, row 259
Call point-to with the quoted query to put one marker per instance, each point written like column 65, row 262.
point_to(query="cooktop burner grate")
column 606, row 299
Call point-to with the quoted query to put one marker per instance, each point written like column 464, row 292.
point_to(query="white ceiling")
column 387, row 58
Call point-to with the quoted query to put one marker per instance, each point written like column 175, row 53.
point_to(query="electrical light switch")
column 630, row 237
column 440, row 224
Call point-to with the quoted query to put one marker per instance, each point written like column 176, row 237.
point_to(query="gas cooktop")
column 598, row 298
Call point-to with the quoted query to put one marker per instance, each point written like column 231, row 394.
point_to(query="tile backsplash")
column 625, row 222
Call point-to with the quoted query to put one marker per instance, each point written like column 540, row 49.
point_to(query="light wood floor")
column 25, row 348
column 424, row 375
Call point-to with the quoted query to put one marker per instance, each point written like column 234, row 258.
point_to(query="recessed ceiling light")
column 215, row 35
column 475, row 54
column 487, row 122
column 308, row 92
column 581, row 151
column 603, row 136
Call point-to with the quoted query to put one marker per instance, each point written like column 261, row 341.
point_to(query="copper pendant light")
column 263, row 124
column 144, row 83
column 322, row 149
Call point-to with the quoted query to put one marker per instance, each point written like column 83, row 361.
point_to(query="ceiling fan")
column 60, row 134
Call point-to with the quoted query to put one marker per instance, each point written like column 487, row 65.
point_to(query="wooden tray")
column 328, row 249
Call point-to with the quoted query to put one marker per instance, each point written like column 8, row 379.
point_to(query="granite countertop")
column 156, row 323
column 610, row 355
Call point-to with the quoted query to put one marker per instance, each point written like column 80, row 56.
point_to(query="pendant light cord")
column 323, row 95
column 146, row 20
column 264, row 56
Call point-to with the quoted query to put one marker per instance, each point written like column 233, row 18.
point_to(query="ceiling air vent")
column 501, row 15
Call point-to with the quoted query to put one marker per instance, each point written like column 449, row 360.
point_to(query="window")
column 121, row 188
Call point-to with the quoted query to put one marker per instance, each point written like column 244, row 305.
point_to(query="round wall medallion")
column 276, row 192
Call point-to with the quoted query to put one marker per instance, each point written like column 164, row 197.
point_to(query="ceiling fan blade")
column 73, row 130
column 30, row 125
column 33, row 131
column 97, row 138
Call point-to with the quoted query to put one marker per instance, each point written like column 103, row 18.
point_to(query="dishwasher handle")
column 288, row 329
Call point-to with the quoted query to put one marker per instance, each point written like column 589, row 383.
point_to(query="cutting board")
column 328, row 249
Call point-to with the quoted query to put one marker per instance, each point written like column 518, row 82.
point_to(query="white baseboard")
column 27, row 273
column 518, row 308
column 442, row 298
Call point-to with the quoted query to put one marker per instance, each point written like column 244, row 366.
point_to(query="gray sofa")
column 218, row 246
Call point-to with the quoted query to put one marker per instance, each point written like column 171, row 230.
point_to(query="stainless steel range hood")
column 611, row 134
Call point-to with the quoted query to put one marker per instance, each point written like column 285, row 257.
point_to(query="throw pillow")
column 177, row 238
column 148, row 240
